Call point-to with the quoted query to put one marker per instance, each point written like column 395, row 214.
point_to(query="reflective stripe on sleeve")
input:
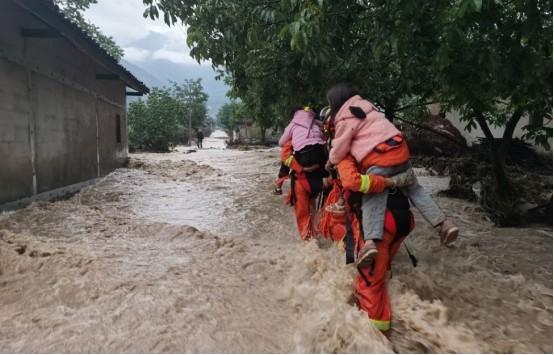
column 365, row 184
column 288, row 161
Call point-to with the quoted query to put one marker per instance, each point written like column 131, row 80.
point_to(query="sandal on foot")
column 366, row 256
column 278, row 191
column 335, row 208
column 448, row 232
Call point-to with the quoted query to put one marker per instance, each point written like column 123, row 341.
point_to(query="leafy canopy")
column 489, row 59
column 495, row 64
column 73, row 10
column 231, row 115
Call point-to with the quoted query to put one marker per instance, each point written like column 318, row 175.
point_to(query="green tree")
column 284, row 53
column 231, row 36
column 401, row 54
column 153, row 124
column 491, row 60
column 162, row 121
column 193, row 99
column 231, row 115
column 73, row 10
column 385, row 47
column 495, row 62
column 495, row 68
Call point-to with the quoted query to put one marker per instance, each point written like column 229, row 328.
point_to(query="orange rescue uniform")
column 287, row 158
column 370, row 284
column 371, row 288
column 351, row 179
column 304, row 206
column 386, row 156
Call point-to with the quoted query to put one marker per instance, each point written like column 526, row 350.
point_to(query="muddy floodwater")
column 190, row 252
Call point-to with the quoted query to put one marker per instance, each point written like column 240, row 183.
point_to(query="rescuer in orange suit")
column 344, row 227
column 310, row 153
column 302, row 194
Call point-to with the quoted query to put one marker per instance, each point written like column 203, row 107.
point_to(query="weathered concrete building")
column 63, row 119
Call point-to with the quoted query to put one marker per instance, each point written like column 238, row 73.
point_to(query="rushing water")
column 190, row 252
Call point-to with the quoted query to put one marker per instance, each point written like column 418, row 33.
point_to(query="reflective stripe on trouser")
column 371, row 289
column 382, row 325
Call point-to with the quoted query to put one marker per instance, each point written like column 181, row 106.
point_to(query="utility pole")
column 190, row 127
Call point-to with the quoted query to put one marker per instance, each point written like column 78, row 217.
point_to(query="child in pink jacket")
column 309, row 151
column 305, row 132
column 380, row 149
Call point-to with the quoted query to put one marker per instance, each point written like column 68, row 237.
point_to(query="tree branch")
column 509, row 131
column 511, row 125
column 430, row 129
column 418, row 105
column 484, row 126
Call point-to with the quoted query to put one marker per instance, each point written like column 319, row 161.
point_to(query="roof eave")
column 49, row 13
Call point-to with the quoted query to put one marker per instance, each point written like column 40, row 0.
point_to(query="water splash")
column 192, row 253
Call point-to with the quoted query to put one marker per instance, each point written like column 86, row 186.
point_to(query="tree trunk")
column 498, row 151
column 499, row 166
column 508, row 135
column 262, row 131
column 389, row 112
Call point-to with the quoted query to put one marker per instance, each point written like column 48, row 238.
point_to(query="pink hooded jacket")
column 304, row 130
column 359, row 136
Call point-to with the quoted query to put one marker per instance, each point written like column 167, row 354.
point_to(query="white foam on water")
column 192, row 253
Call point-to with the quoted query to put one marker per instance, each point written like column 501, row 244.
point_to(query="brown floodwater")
column 190, row 252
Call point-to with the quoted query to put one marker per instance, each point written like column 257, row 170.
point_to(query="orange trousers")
column 304, row 207
column 371, row 288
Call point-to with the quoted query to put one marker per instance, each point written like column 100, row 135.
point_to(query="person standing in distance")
column 199, row 138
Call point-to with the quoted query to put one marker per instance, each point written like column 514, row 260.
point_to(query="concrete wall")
column 471, row 137
column 112, row 154
column 57, row 121
column 65, row 134
column 16, row 175
column 251, row 133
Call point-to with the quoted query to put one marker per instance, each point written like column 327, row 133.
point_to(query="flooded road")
column 190, row 252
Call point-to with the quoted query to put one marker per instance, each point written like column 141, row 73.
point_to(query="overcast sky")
column 122, row 19
column 155, row 53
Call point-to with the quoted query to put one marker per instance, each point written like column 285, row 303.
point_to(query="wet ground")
column 190, row 252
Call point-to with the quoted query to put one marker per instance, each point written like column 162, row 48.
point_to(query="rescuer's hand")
column 404, row 179
column 311, row 168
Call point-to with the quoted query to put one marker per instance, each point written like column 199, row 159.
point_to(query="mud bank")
column 192, row 253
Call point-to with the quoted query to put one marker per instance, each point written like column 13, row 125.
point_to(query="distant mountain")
column 167, row 71
column 151, row 42
column 159, row 72
column 144, row 76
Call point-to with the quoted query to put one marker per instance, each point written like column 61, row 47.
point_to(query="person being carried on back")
column 304, row 131
column 380, row 149
column 310, row 155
